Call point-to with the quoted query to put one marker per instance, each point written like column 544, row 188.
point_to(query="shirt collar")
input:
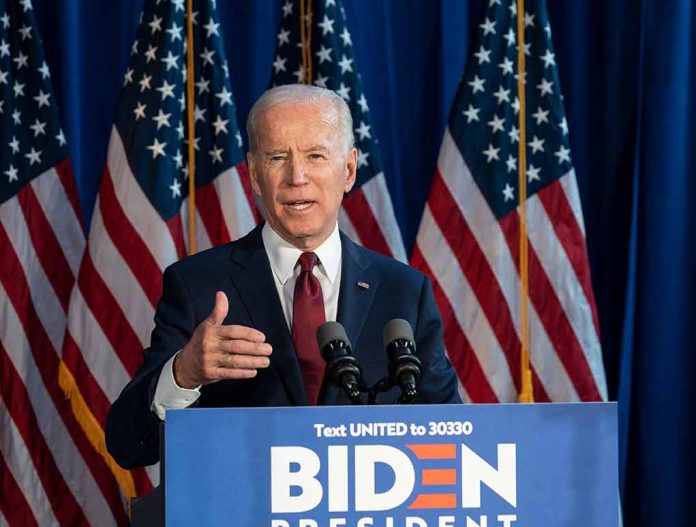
column 283, row 255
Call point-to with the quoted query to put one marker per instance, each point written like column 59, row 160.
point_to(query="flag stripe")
column 65, row 174
column 346, row 226
column 364, row 221
column 245, row 179
column 239, row 208
column 209, row 208
column 12, row 500
column 378, row 198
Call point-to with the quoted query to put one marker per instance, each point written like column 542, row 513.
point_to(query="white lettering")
column 366, row 497
column 446, row 521
column 283, row 479
column 338, row 478
column 415, row 521
column 501, row 480
column 507, row 519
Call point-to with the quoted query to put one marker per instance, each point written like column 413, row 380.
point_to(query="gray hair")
column 299, row 94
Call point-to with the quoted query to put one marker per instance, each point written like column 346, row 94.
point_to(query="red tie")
column 307, row 316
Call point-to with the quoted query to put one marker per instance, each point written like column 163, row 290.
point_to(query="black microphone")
column 342, row 369
column 405, row 369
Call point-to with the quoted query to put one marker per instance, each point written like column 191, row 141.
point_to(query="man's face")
column 301, row 170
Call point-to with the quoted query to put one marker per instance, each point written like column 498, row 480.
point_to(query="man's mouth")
column 299, row 205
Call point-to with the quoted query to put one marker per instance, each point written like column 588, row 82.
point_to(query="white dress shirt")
column 283, row 258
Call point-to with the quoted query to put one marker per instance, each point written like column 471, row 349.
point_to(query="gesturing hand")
column 217, row 352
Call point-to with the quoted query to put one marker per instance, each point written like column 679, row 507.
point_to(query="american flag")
column 50, row 473
column 367, row 214
column 468, row 241
column 139, row 225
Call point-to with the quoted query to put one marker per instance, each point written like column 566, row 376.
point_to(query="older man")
column 235, row 325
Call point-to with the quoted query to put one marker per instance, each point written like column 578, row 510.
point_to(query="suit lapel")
column 253, row 279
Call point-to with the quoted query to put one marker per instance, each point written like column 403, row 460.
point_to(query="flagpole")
column 306, row 37
column 526, row 391
column 191, row 129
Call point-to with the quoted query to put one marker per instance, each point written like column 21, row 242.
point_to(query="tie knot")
column 308, row 261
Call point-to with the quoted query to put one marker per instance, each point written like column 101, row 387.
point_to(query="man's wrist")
column 179, row 379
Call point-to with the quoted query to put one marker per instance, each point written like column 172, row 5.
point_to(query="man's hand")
column 217, row 352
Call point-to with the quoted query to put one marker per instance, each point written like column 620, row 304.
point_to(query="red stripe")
column 65, row 173
column 208, row 206
column 366, row 225
column 15, row 396
column 13, row 504
column 552, row 315
column 244, row 177
column 460, row 352
column 568, row 232
column 128, row 242
column 109, row 315
column 14, row 281
column 46, row 245
column 176, row 229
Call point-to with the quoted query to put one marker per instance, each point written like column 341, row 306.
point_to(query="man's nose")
column 297, row 173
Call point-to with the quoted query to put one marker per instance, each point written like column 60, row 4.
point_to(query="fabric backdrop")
column 627, row 72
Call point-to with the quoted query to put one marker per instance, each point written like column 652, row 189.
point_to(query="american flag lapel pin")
column 363, row 285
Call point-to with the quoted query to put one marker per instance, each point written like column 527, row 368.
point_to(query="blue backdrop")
column 627, row 69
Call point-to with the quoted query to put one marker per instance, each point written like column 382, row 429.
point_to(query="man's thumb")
column 219, row 312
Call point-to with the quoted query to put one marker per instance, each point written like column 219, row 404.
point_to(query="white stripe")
column 202, row 240
column 120, row 280
column 96, row 350
column 137, row 207
column 346, row 226
column 153, row 472
column 3, row 521
column 22, row 469
column 475, row 326
column 55, row 204
column 43, row 297
column 561, row 275
column 238, row 215
column 570, row 187
column 377, row 195
column 66, row 455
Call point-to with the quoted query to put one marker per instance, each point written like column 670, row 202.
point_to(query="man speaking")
column 236, row 324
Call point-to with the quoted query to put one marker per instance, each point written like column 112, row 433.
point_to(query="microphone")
column 405, row 368
column 342, row 369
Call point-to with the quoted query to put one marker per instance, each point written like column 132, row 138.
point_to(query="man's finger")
column 245, row 347
column 240, row 332
column 234, row 373
column 219, row 312
column 243, row 362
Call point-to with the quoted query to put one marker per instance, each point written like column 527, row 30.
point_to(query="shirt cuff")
column 169, row 394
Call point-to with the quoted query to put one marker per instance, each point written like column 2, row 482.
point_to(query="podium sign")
column 537, row 465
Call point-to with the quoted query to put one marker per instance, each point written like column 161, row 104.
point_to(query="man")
column 235, row 325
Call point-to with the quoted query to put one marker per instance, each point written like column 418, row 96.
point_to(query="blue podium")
column 538, row 465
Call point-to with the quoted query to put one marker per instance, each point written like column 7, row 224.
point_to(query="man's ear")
column 251, row 164
column 351, row 169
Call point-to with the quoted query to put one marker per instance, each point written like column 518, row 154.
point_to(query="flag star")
column 330, row 3
column 488, row 27
column 194, row 16
column 178, row 4
column 362, row 102
column 477, row 84
column 224, row 96
column 343, row 92
column 178, row 159
column 202, row 85
column 216, row 154
column 167, row 90
column 326, row 25
column 541, row 116
column 537, row 144
column 16, row 117
column 25, row 31
column 491, row 153
column 511, row 163
column 363, row 130
column 506, row 66
column 185, row 170
column 128, row 77
column 61, row 138
column 321, row 81
column 21, row 60
column 547, row 28
column 548, row 58
column 3, row 76
column 14, row 145
column 563, row 154
column 283, row 37
column 279, row 64
column 508, row 192
column 174, row 32
column 491, row 3
column 346, row 64
column 162, row 119
column 12, row 174
column 207, row 56
column 4, row 49
column 150, row 53
column 362, row 158
column 514, row 134
column 33, row 156
column 564, row 126
column 145, row 83
column 199, row 114
column 545, row 87
column 528, row 19
column 287, row 8
column 497, row 124
column 211, row 28
column 510, row 37
column 471, row 114
column 139, row 110
column 238, row 137
column 483, row 55
column 134, row 47
column 175, row 187
column 182, row 101
column 171, row 61
column 157, row 148
column 324, row 54
column 226, row 70
column 180, row 130
column 2, row 106
column 26, row 4
column 5, row 20
column 300, row 74
column 155, row 25
column 220, row 125
column 527, row 48
column 42, row 99
column 516, row 105
column 533, row 174
column 502, row 94
column 345, row 36
column 18, row 88
column 43, row 70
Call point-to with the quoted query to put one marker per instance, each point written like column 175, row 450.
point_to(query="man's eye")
column 276, row 158
column 317, row 156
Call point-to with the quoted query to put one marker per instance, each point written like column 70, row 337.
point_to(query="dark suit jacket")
column 241, row 269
